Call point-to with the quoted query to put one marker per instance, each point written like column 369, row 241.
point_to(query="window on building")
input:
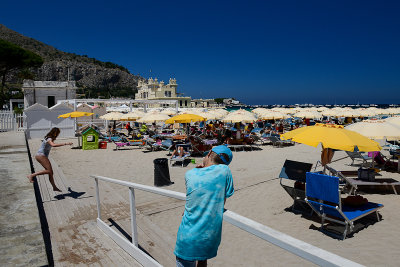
column 167, row 93
column 51, row 101
column 180, row 103
column 185, row 103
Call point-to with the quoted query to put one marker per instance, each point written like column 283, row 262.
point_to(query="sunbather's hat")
column 222, row 149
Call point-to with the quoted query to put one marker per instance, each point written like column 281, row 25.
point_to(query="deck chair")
column 292, row 172
column 359, row 156
column 167, row 145
column 198, row 145
column 276, row 141
column 323, row 196
column 186, row 155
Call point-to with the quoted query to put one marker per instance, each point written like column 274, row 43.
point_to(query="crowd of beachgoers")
column 237, row 129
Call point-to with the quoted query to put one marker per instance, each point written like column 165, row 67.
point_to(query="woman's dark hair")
column 53, row 133
column 217, row 159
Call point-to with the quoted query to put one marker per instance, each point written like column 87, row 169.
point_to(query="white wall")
column 40, row 120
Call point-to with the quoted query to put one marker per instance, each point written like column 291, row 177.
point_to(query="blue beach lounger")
column 323, row 195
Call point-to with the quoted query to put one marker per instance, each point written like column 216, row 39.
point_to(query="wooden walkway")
column 75, row 237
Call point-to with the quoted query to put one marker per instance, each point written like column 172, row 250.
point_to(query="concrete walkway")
column 21, row 239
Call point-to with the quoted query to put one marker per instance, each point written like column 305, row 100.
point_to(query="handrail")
column 304, row 250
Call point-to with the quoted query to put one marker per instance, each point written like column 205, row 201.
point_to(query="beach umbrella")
column 367, row 113
column 209, row 115
column 75, row 114
column 258, row 111
column 131, row 116
column 329, row 112
column 308, row 115
column 272, row 115
column 168, row 112
column 112, row 116
column 331, row 136
column 349, row 113
column 239, row 117
column 320, row 109
column 393, row 120
column 376, row 129
column 391, row 111
column 153, row 117
column 185, row 118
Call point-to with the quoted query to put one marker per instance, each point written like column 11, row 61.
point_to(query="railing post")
column 133, row 216
column 97, row 198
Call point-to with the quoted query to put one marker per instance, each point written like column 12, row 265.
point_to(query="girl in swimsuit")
column 42, row 156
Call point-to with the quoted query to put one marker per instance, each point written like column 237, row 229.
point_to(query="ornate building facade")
column 154, row 90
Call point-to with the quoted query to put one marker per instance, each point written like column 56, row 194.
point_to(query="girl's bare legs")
column 45, row 162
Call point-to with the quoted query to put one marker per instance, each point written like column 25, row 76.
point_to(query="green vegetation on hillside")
column 13, row 57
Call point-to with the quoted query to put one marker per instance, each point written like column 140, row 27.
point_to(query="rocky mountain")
column 94, row 78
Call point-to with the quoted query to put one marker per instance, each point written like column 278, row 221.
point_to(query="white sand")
column 258, row 196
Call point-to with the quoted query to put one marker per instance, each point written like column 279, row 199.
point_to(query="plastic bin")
column 161, row 172
column 103, row 145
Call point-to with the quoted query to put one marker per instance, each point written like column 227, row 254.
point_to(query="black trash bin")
column 161, row 172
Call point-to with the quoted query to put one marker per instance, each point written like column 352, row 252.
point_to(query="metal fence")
column 10, row 121
column 304, row 250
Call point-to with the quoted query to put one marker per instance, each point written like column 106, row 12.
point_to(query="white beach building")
column 47, row 93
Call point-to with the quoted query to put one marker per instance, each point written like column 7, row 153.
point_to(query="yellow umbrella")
column 75, row 114
column 332, row 136
column 185, row 118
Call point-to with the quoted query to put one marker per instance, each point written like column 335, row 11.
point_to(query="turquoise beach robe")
column 199, row 234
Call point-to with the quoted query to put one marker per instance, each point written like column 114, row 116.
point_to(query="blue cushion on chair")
column 322, row 187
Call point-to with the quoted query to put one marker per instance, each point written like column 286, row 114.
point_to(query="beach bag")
column 366, row 174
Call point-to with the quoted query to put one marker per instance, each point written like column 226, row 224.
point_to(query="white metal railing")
column 304, row 250
column 9, row 121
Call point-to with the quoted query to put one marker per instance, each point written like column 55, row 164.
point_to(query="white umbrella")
column 153, row 117
column 134, row 115
column 272, row 115
column 239, row 117
column 169, row 112
column 209, row 115
column 393, row 120
column 112, row 116
column 308, row 115
column 351, row 113
column 376, row 129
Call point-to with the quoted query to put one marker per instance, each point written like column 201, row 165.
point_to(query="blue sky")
column 260, row 52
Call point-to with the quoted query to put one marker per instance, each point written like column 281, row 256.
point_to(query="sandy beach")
column 258, row 196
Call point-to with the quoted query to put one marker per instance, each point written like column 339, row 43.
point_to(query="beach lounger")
column 294, row 175
column 186, row 154
column 236, row 147
column 324, row 197
column 359, row 156
column 276, row 141
column 354, row 183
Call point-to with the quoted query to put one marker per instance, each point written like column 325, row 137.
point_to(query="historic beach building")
column 154, row 90
column 47, row 93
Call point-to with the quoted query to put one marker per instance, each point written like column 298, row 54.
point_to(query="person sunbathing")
column 179, row 152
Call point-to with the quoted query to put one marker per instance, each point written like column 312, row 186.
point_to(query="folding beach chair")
column 356, row 155
column 295, row 172
column 323, row 196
